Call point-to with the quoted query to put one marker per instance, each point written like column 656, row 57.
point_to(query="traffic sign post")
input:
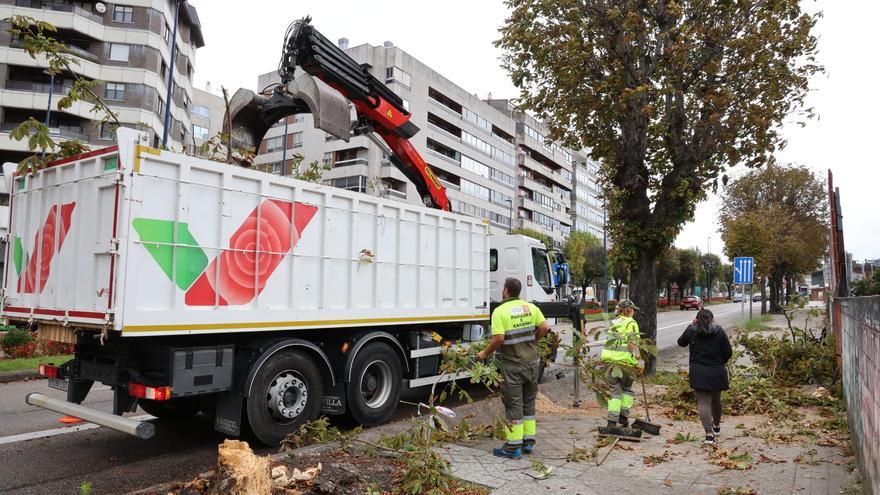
column 744, row 273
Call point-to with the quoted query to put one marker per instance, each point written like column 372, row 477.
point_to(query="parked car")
column 691, row 302
column 756, row 297
column 737, row 298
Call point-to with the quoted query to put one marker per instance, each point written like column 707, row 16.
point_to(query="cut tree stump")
column 239, row 471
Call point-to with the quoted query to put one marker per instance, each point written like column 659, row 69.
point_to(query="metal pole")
column 577, row 366
column 167, row 119
column 605, row 256
column 49, row 105
column 140, row 429
column 284, row 150
column 751, row 299
column 742, row 302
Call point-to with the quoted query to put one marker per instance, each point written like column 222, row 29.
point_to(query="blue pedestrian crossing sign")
column 743, row 270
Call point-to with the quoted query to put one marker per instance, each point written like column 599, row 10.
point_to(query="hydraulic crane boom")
column 378, row 110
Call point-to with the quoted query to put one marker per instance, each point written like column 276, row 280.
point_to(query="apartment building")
column 470, row 146
column 587, row 209
column 127, row 44
column 546, row 177
column 494, row 160
column 208, row 110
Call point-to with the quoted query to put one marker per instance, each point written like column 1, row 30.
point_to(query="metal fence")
column 857, row 323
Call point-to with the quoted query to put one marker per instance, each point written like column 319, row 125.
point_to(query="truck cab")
column 521, row 257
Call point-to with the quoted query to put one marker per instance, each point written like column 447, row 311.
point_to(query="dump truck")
column 189, row 285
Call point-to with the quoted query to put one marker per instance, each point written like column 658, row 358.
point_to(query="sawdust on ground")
column 544, row 404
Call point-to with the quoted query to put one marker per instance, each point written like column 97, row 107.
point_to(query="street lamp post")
column 284, row 150
column 49, row 105
column 605, row 255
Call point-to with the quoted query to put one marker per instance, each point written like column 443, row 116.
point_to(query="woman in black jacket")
column 710, row 350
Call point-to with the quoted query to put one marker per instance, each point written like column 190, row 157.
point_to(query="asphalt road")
column 38, row 455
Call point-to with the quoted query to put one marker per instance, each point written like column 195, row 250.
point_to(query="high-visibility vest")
column 623, row 331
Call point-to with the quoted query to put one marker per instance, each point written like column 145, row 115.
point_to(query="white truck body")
column 147, row 242
column 253, row 297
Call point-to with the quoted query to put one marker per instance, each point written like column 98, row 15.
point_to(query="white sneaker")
column 710, row 440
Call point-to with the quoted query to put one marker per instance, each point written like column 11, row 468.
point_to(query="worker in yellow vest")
column 517, row 326
column 621, row 347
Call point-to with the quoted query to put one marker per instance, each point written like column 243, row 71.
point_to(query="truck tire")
column 376, row 382
column 286, row 393
column 179, row 408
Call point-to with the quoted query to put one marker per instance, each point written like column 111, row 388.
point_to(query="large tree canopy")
column 666, row 94
column 779, row 215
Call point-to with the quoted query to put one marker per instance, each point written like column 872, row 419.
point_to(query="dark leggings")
column 709, row 408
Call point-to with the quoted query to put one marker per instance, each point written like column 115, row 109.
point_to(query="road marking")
column 689, row 321
column 21, row 437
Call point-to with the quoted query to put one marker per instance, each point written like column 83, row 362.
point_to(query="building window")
column 276, row 168
column 354, row 183
column 474, row 166
column 163, row 70
column 475, row 190
column 122, row 13
column 200, row 132
column 118, row 52
column 166, row 34
column 108, row 131
column 476, row 120
column 398, row 75
column 201, row 111
column 274, row 144
column 114, row 91
column 501, row 177
column 328, row 158
column 160, row 107
column 297, row 139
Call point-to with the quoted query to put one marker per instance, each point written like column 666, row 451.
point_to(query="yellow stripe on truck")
column 274, row 324
column 137, row 155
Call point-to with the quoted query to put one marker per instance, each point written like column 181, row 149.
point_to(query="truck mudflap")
column 228, row 417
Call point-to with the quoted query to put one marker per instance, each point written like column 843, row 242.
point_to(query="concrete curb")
column 17, row 376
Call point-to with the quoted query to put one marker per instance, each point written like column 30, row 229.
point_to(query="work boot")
column 716, row 429
column 612, row 424
column 507, row 452
column 624, row 422
column 528, row 446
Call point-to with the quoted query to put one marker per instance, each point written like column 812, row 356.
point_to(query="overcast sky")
column 456, row 40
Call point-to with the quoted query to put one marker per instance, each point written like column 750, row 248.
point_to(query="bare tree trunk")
column 644, row 295
column 763, row 296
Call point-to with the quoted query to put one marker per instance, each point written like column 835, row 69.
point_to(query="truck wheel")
column 179, row 408
column 285, row 394
column 376, row 381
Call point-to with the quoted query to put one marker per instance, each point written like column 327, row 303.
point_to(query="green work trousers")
column 518, row 392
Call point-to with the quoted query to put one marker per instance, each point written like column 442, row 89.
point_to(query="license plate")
column 59, row 383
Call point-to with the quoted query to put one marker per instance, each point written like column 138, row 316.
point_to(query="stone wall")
column 857, row 323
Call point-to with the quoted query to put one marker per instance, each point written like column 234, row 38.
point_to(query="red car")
column 691, row 302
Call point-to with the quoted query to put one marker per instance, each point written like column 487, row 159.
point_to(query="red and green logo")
column 47, row 242
column 239, row 273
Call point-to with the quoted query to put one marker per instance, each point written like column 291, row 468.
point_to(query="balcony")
column 59, row 6
column 395, row 194
column 69, row 49
column 34, row 87
column 533, row 185
column 352, row 161
column 443, row 106
column 449, row 185
column 64, row 132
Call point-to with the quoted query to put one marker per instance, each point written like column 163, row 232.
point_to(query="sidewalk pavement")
column 799, row 467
